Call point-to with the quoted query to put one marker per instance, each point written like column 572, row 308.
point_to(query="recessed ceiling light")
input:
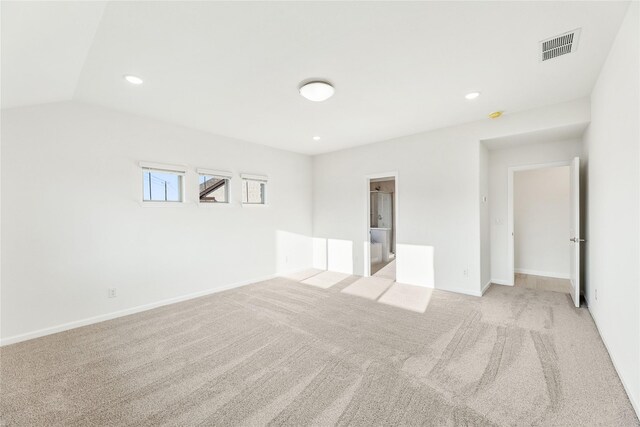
column 317, row 91
column 472, row 95
column 316, row 138
column 134, row 80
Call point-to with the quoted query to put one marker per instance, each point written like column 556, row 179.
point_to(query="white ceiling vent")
column 559, row 45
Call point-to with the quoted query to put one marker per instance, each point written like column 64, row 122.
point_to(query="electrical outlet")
column 111, row 292
column 465, row 272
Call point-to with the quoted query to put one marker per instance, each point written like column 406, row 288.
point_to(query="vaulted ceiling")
column 233, row 68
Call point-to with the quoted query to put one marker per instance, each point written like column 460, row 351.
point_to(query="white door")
column 575, row 231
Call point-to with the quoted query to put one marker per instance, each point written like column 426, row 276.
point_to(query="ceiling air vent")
column 559, row 45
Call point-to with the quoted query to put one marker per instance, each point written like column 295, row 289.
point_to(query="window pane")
column 253, row 192
column 162, row 186
column 213, row 189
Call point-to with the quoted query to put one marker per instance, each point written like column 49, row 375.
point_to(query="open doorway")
column 382, row 214
column 543, row 219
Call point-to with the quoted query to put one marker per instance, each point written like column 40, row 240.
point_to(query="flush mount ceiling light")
column 134, row 80
column 317, row 91
column 472, row 95
column 316, row 138
column 495, row 114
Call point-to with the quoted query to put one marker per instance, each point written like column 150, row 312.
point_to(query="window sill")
column 210, row 205
column 162, row 204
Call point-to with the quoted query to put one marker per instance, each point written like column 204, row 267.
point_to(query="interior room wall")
column 95, row 234
column 613, row 210
column 436, row 187
column 499, row 162
column 485, row 240
column 438, row 194
column 541, row 205
column 73, row 224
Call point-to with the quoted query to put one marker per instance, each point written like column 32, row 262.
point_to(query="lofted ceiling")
column 44, row 46
column 233, row 68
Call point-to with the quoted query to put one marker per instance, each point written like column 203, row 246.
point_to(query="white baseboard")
column 501, row 282
column 542, row 273
column 108, row 316
column 462, row 291
column 485, row 287
column 632, row 398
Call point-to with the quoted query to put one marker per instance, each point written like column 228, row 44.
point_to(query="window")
column 213, row 186
column 162, row 183
column 253, row 189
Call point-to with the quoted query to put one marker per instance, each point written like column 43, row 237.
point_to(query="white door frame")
column 367, row 222
column 510, row 222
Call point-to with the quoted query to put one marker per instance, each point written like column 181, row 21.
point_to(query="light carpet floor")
column 368, row 287
column 283, row 353
column 325, row 279
column 304, row 274
column 387, row 270
column 408, row 297
column 542, row 283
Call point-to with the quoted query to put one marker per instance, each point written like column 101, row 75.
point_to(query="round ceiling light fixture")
column 472, row 95
column 317, row 91
column 316, row 138
column 134, row 80
column 495, row 114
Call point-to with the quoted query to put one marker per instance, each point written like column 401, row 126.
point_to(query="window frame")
column 179, row 170
column 228, row 176
column 259, row 178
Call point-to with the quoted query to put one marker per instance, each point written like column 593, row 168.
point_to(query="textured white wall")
column 541, row 221
column 73, row 226
column 613, row 212
column 499, row 162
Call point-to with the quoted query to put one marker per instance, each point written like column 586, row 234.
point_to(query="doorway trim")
column 511, row 170
column 367, row 221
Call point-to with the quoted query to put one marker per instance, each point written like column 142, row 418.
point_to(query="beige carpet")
column 542, row 283
column 368, row 287
column 284, row 353
column 304, row 274
column 408, row 297
column 325, row 279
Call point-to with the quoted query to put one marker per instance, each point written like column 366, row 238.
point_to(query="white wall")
column 485, row 240
column 438, row 194
column 541, row 205
column 73, row 224
column 437, row 186
column 613, row 211
column 499, row 162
